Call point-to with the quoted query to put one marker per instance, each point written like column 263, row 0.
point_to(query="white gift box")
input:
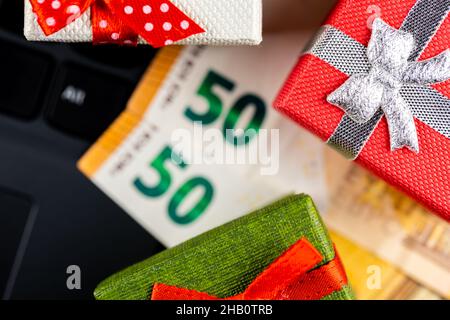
column 227, row 22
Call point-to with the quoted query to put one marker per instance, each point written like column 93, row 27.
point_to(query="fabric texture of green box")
column 224, row 261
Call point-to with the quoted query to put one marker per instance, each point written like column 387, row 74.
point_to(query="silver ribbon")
column 386, row 79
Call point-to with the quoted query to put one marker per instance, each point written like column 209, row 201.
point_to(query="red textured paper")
column 424, row 176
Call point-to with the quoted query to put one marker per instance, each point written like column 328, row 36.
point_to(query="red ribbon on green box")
column 287, row 278
column 281, row 251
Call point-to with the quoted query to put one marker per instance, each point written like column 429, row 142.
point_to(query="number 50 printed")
column 167, row 156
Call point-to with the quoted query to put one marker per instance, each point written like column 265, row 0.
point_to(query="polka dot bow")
column 159, row 22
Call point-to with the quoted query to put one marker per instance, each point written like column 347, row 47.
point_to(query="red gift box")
column 338, row 53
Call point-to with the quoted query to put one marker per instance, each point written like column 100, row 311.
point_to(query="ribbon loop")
column 433, row 70
column 284, row 271
column 359, row 90
column 389, row 48
column 53, row 16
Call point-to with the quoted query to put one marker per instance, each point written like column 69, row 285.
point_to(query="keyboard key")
column 24, row 75
column 11, row 16
column 116, row 56
column 14, row 214
column 85, row 101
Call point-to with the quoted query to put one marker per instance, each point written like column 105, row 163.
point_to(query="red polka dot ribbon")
column 159, row 22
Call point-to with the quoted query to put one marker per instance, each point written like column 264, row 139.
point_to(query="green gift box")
column 225, row 261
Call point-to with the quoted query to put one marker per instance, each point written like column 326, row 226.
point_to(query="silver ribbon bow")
column 363, row 95
column 384, row 81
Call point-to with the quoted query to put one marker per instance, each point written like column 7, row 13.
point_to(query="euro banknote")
column 199, row 144
column 160, row 162
column 373, row 278
column 369, row 212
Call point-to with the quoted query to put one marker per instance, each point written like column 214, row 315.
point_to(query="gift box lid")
column 338, row 53
column 226, row 22
column 225, row 260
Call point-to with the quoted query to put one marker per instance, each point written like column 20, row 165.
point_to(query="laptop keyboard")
column 77, row 89
column 55, row 100
column 14, row 215
column 23, row 80
column 11, row 16
column 85, row 101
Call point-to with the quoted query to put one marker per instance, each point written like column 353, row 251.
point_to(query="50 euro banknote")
column 199, row 145
column 373, row 278
column 390, row 225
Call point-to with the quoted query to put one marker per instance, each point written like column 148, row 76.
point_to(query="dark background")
column 51, row 216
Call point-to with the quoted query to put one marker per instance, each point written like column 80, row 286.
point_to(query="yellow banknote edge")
column 370, row 213
column 138, row 104
column 373, row 278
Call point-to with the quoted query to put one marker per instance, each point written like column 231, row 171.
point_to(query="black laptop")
column 59, row 234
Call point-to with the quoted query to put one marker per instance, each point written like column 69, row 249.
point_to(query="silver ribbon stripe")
column 386, row 79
